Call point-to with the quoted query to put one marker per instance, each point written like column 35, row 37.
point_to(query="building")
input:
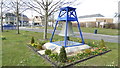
column 94, row 20
column 38, row 20
column 10, row 18
column 23, row 19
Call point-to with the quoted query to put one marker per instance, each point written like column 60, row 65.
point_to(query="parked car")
column 9, row 26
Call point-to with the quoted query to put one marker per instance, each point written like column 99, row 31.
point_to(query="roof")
column 22, row 15
column 93, row 15
column 10, row 14
column 13, row 15
column 69, row 8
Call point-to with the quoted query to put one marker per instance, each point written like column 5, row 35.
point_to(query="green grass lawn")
column 0, row 51
column 16, row 53
column 91, row 30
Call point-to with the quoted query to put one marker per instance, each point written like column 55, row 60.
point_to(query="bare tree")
column 18, row 7
column 47, row 7
column 3, row 9
column 1, row 16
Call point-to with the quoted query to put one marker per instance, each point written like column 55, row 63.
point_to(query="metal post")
column 79, row 30
column 53, row 31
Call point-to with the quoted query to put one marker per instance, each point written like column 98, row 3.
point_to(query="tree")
column 48, row 7
column 1, row 16
column 18, row 7
column 62, row 55
column 4, row 7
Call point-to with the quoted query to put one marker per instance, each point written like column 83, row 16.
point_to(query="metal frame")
column 68, row 46
column 67, row 19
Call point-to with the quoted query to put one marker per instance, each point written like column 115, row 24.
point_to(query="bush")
column 47, row 52
column 32, row 40
column 110, row 25
column 38, row 47
column 102, row 44
column 3, row 37
column 91, row 44
column 42, row 42
column 87, row 51
column 62, row 55
column 34, row 45
column 54, row 56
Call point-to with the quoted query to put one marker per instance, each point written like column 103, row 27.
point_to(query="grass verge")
column 16, row 53
column 91, row 30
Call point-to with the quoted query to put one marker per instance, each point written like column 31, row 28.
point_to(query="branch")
column 24, row 10
column 40, row 4
column 54, row 10
column 13, row 4
column 54, row 4
column 43, row 3
column 50, row 2
column 33, row 7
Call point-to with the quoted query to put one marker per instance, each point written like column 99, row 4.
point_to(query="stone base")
column 69, row 50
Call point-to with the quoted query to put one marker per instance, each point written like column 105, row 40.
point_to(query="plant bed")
column 73, row 59
column 64, row 60
column 43, row 56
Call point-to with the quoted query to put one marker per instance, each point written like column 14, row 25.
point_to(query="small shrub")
column 102, row 44
column 42, row 42
column 53, row 40
column 62, row 55
column 32, row 40
column 47, row 52
column 87, row 51
column 91, row 44
column 54, row 56
column 34, row 44
column 38, row 47
column 3, row 37
column 80, row 55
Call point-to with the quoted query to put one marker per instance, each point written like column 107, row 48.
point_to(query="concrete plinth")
column 69, row 50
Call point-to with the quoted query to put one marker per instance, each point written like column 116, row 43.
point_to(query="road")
column 106, row 38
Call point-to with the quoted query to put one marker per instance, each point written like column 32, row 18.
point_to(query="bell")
column 69, row 30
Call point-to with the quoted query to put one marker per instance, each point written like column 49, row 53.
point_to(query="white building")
column 95, row 20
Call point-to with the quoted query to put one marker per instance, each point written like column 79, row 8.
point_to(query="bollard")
column 95, row 31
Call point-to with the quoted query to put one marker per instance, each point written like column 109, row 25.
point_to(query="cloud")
column 105, row 7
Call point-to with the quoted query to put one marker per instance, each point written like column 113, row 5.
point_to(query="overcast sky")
column 87, row 7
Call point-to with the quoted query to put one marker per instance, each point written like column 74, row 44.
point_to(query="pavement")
column 106, row 38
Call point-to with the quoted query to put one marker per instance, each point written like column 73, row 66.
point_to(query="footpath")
column 106, row 38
